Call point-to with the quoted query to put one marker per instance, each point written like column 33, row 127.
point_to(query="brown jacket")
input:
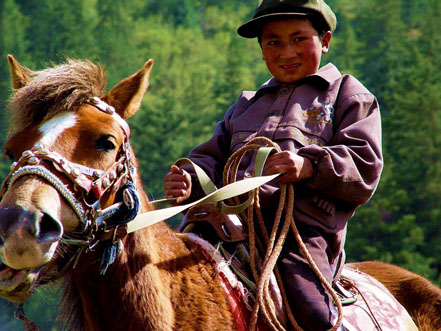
column 330, row 118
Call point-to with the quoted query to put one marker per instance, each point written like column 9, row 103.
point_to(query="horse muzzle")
column 17, row 285
column 28, row 239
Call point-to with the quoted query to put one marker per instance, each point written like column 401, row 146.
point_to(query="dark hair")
column 318, row 24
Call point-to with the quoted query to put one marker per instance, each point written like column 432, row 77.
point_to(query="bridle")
column 86, row 187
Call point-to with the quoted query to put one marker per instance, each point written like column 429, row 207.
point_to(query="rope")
column 21, row 316
column 273, row 244
column 374, row 319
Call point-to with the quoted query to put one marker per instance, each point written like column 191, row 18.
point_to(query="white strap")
column 226, row 192
column 212, row 193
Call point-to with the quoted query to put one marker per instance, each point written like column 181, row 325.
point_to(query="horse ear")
column 127, row 95
column 20, row 74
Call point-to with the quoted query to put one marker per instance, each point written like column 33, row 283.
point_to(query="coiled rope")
column 273, row 244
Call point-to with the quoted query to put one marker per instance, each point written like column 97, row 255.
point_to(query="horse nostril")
column 50, row 229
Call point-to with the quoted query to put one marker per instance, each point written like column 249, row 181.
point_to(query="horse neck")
column 134, row 293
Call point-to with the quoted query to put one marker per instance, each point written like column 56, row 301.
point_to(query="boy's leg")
column 309, row 301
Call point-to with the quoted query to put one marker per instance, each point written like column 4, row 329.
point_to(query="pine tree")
column 401, row 221
column 13, row 25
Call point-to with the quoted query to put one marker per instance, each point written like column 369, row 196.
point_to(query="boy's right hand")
column 177, row 184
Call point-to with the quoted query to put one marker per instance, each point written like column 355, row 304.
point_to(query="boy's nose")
column 289, row 51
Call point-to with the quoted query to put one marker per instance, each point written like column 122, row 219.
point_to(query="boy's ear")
column 326, row 41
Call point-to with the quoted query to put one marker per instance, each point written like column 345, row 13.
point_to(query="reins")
column 274, row 242
column 231, row 190
column 86, row 181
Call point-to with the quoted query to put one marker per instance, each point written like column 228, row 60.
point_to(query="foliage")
column 201, row 66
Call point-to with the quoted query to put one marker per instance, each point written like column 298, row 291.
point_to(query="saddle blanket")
column 374, row 310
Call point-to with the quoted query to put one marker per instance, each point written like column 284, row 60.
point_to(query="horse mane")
column 61, row 88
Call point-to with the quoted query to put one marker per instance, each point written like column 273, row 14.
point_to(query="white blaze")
column 52, row 129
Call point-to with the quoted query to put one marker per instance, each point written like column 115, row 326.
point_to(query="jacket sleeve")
column 349, row 168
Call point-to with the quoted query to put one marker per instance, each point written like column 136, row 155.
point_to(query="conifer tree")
column 13, row 25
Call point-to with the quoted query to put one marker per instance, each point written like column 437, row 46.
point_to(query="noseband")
column 86, row 186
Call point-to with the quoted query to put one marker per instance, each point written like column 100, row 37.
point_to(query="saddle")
column 367, row 304
column 213, row 226
column 229, row 234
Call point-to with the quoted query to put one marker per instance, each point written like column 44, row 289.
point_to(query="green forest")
column 201, row 66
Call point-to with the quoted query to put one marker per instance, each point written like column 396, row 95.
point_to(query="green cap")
column 270, row 9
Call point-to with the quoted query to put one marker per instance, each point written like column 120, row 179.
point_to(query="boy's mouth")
column 290, row 66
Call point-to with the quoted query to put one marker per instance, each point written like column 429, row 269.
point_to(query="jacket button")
column 284, row 90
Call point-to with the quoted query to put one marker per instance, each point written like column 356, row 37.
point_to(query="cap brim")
column 253, row 28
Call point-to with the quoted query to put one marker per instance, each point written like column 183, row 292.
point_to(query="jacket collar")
column 322, row 79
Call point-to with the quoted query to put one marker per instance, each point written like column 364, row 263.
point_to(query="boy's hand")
column 177, row 184
column 292, row 166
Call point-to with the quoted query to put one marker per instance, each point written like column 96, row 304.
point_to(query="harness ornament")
column 84, row 189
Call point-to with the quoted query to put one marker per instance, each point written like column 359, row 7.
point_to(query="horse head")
column 69, row 144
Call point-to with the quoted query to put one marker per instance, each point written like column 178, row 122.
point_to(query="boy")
column 328, row 127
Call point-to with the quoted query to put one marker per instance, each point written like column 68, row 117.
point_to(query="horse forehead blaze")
column 52, row 129
column 68, row 129
column 46, row 133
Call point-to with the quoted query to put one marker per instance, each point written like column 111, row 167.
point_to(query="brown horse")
column 158, row 281
column 65, row 205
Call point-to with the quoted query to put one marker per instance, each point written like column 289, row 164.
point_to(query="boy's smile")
column 292, row 48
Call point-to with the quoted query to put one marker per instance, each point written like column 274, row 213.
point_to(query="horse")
column 74, row 186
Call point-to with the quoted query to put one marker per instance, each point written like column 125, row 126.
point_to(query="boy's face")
column 292, row 48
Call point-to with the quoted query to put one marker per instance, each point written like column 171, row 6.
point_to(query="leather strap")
column 212, row 193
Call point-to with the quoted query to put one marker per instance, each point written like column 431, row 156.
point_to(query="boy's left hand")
column 292, row 166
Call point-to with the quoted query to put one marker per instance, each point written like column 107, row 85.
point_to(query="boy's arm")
column 212, row 155
column 350, row 168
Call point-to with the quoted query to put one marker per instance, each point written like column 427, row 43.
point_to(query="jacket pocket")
column 315, row 209
column 240, row 138
column 301, row 138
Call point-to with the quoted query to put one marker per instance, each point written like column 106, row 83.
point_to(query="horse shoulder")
column 198, row 296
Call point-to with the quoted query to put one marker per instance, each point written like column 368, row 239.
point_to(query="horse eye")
column 9, row 154
column 104, row 144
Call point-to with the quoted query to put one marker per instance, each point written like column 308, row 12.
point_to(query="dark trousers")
column 309, row 301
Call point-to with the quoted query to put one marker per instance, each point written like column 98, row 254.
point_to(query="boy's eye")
column 298, row 39
column 273, row 42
